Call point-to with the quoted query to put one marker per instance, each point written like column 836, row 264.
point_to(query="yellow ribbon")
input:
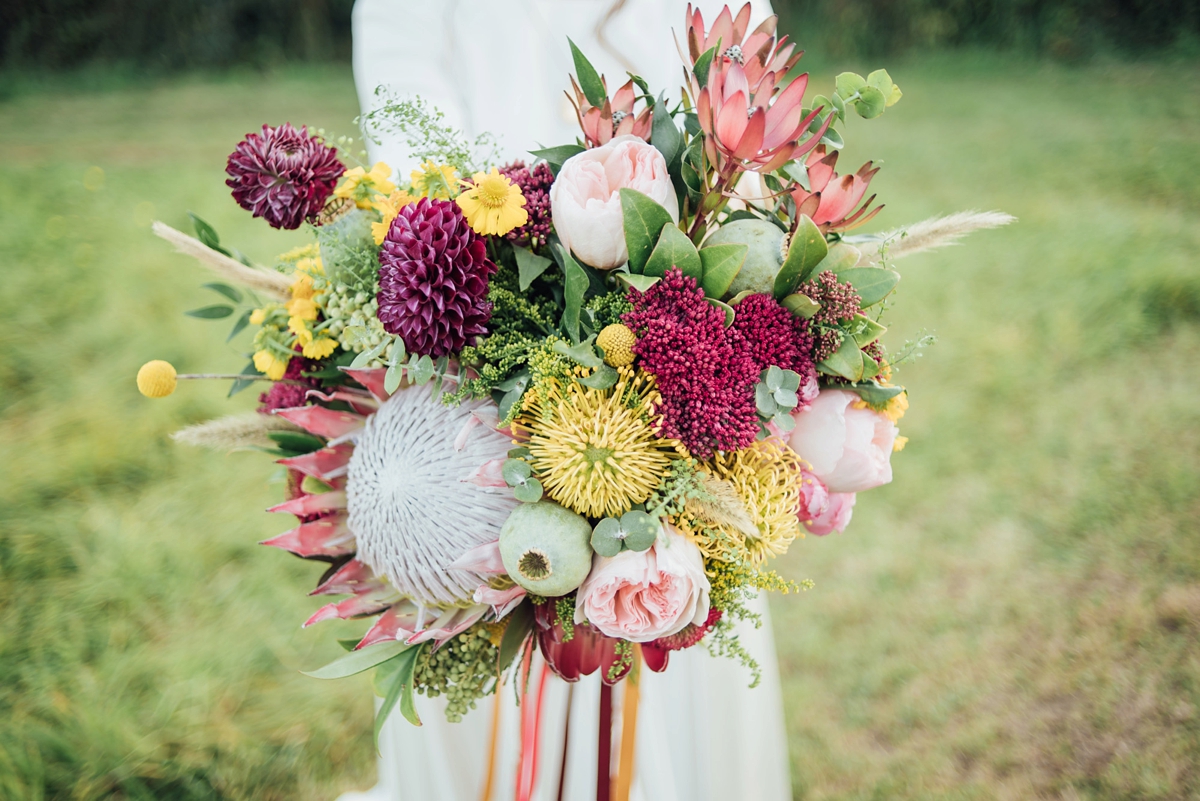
column 629, row 713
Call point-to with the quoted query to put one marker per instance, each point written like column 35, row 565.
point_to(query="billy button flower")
column 492, row 204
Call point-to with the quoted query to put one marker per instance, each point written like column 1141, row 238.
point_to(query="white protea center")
column 411, row 509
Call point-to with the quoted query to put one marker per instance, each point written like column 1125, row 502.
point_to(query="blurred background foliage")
column 161, row 35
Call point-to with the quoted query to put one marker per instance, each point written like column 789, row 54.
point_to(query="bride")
column 500, row 66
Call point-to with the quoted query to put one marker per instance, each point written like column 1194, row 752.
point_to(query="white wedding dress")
column 500, row 66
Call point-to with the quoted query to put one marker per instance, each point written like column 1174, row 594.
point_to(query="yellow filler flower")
column 388, row 208
column 493, row 204
column 434, row 181
column 270, row 365
column 362, row 186
column 596, row 451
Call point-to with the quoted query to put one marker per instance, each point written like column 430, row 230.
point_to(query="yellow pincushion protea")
column 156, row 379
column 766, row 477
column 617, row 341
column 493, row 204
column 596, row 451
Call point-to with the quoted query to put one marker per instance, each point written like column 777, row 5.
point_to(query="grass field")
column 1016, row 616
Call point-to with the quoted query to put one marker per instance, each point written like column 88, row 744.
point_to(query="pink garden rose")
column 834, row 517
column 849, row 448
column 641, row 596
column 586, row 208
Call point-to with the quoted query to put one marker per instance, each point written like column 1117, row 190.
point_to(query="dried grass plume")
column 722, row 506
column 928, row 234
column 270, row 283
column 235, row 432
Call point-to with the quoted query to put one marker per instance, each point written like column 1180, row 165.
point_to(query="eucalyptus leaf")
column 872, row 284
column 641, row 530
column 883, row 82
column 515, row 472
column 529, row 266
column 806, row 250
column 790, row 381
column 644, row 219
column 226, row 290
column 786, row 398
column 848, row 84
column 392, row 378
column 362, row 359
column 721, row 264
column 358, row 661
column 871, row 103
column 674, row 249
column 214, row 312
column 529, row 492
column 764, row 400
column 773, row 377
column 784, row 421
column 608, row 538
column 589, row 79
column 512, row 395
column 421, row 369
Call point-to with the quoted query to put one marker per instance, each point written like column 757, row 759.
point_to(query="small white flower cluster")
column 354, row 323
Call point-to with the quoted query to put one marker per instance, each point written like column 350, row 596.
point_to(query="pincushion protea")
column 405, row 505
column 283, row 175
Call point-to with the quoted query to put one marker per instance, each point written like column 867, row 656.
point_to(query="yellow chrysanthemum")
column 596, row 451
column 766, row 477
column 270, row 365
column 362, row 186
column 258, row 317
column 302, row 287
column 156, row 379
column 318, row 348
column 492, row 204
column 304, row 308
column 617, row 342
column 388, row 207
column 298, row 327
column 434, row 180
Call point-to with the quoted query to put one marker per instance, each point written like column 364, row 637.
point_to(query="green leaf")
column 358, row 661
column 366, row 356
column 871, row 103
column 605, row 377
column 298, row 442
column 663, row 133
column 242, row 383
column 639, row 82
column 207, row 234
column 840, row 257
column 529, row 266
column 392, row 378
column 784, row 421
column 240, row 325
column 868, row 332
column 872, row 284
column 607, row 537
column 721, row 265
column 512, row 394
column 644, row 220
column 584, row 353
column 515, row 472
column 215, row 312
column 725, row 307
column 764, row 400
column 674, row 249
column 529, row 492
column 874, row 394
column 518, row 453
column 401, row 691
column 801, row 305
column 226, row 290
column 805, row 252
column 639, row 282
column 555, row 157
column 832, row 138
column 575, row 286
column 846, row 361
column 870, row 366
column 785, row 398
column 848, row 84
column 702, row 65
column 773, row 378
column 589, row 79
column 420, row 370
column 348, row 645
column 790, row 381
column 883, row 82
column 641, row 530
column 520, row 624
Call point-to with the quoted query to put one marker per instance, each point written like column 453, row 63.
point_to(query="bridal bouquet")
column 574, row 405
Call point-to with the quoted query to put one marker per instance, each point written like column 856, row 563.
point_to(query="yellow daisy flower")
column 304, row 308
column 258, row 317
column 493, row 204
column 270, row 365
column 319, row 348
column 388, row 207
column 361, row 186
column 297, row 326
column 434, row 180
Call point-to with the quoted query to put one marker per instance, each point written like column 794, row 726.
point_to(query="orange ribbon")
column 629, row 713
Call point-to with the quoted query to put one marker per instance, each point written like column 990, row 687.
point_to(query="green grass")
column 1016, row 616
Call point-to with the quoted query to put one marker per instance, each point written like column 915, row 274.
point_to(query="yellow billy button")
column 156, row 379
column 617, row 342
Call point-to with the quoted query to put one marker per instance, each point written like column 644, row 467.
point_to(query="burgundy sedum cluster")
column 283, row 175
column 705, row 377
column 433, row 279
column 774, row 337
column 287, row 396
column 535, row 186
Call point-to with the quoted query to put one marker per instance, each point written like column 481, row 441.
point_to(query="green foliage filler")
column 1017, row 616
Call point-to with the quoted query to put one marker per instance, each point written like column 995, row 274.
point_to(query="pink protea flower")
column 759, row 54
column 433, row 279
column 705, row 381
column 535, row 187
column 773, row 336
column 833, row 198
column 614, row 118
column 283, row 175
column 752, row 127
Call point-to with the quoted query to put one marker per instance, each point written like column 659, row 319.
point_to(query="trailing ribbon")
column 493, row 739
column 629, row 714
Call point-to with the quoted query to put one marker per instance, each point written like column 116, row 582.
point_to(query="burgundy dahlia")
column 535, row 186
column 433, row 279
column 283, row 175
column 774, row 337
column 705, row 379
